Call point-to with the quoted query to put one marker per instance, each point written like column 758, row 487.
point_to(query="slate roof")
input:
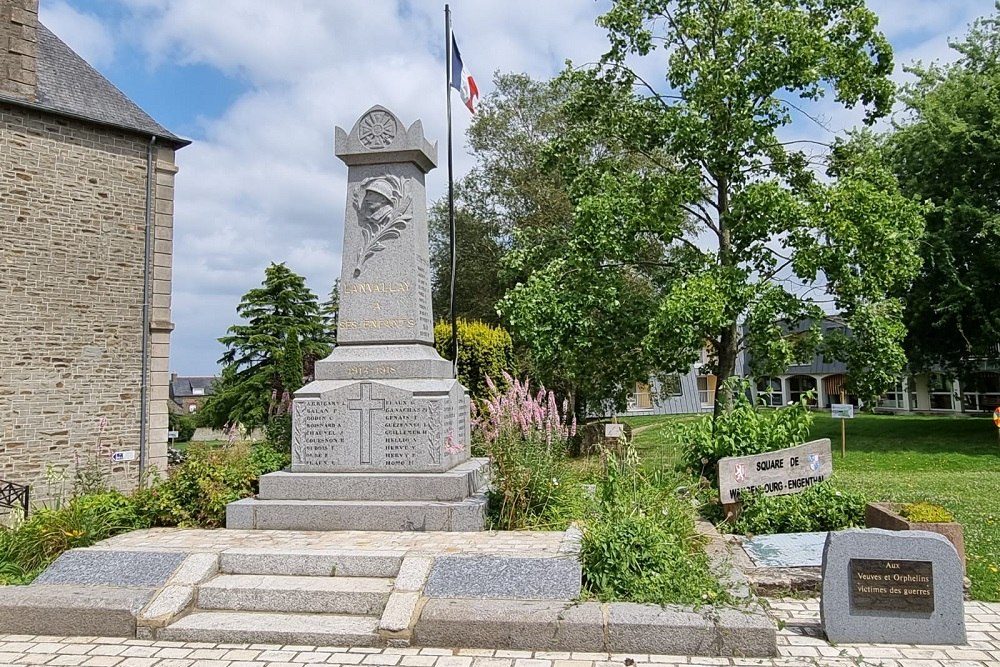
column 68, row 85
column 183, row 387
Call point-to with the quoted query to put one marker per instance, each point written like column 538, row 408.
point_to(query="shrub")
column 524, row 435
column 278, row 433
column 185, row 425
column 746, row 428
column 483, row 351
column 640, row 544
column 196, row 492
column 925, row 512
column 820, row 507
column 31, row 545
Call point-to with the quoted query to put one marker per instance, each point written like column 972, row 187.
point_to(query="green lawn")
column 953, row 462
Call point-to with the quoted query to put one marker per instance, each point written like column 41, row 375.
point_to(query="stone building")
column 86, row 220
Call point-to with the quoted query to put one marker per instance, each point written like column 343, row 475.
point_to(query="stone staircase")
column 318, row 598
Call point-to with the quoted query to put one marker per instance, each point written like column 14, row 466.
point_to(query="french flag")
column 461, row 80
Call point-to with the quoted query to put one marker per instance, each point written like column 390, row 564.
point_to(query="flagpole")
column 451, row 191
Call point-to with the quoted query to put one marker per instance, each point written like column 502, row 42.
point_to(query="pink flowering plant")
column 524, row 433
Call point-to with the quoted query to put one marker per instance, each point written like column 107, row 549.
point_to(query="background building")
column 86, row 220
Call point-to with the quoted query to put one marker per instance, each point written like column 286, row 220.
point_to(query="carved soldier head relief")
column 385, row 206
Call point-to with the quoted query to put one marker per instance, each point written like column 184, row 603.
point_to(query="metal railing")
column 14, row 495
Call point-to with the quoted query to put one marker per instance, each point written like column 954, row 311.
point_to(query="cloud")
column 84, row 32
column 261, row 182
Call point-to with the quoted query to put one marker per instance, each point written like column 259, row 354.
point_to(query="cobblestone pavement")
column 798, row 641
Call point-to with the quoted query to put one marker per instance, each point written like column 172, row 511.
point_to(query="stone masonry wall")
column 19, row 48
column 72, row 207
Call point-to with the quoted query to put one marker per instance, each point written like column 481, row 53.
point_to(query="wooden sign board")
column 775, row 473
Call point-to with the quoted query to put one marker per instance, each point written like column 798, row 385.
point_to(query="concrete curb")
column 594, row 627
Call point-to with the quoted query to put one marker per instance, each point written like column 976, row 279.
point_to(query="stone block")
column 195, row 569
column 380, row 426
column 529, row 625
column 398, row 613
column 169, row 603
column 58, row 610
column 642, row 628
column 899, row 587
column 103, row 567
column 253, row 514
column 311, row 563
column 456, row 484
column 356, row 362
column 512, row 578
column 413, row 573
column 362, row 596
column 270, row 628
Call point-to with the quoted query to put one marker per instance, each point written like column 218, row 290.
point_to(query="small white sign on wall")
column 119, row 457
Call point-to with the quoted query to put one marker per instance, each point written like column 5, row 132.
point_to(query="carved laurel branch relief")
column 384, row 205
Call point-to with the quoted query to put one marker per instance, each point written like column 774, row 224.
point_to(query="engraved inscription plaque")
column 891, row 585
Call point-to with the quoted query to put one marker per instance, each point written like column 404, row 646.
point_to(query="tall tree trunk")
column 729, row 336
column 727, row 368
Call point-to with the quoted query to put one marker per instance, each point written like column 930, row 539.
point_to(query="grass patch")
column 949, row 461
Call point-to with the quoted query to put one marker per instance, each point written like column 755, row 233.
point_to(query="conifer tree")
column 270, row 354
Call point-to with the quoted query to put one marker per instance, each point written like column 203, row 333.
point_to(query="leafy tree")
column 479, row 284
column 269, row 355
column 948, row 154
column 692, row 215
column 509, row 198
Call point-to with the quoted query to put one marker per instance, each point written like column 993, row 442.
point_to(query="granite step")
column 335, row 595
column 311, row 562
column 462, row 481
column 458, row 516
column 273, row 628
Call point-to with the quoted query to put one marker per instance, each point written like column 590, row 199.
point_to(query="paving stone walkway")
column 798, row 641
column 214, row 541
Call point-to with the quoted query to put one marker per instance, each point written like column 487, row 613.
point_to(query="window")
column 706, row 390
column 940, row 388
column 893, row 399
column 671, row 385
column 982, row 392
column 769, row 391
column 197, row 391
column 799, row 385
column 641, row 398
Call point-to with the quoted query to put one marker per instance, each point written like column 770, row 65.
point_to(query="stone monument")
column 380, row 439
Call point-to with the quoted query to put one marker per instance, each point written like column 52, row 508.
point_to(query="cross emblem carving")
column 364, row 405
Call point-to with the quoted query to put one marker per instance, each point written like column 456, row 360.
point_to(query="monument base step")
column 460, row 482
column 459, row 516
column 311, row 562
column 271, row 628
column 358, row 596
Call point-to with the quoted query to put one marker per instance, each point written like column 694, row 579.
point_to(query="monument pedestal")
column 449, row 501
column 380, row 440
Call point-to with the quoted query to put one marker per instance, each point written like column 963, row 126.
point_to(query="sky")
column 260, row 85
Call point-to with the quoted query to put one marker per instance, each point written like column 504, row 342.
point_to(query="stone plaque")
column 379, row 426
column 776, row 473
column 892, row 585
